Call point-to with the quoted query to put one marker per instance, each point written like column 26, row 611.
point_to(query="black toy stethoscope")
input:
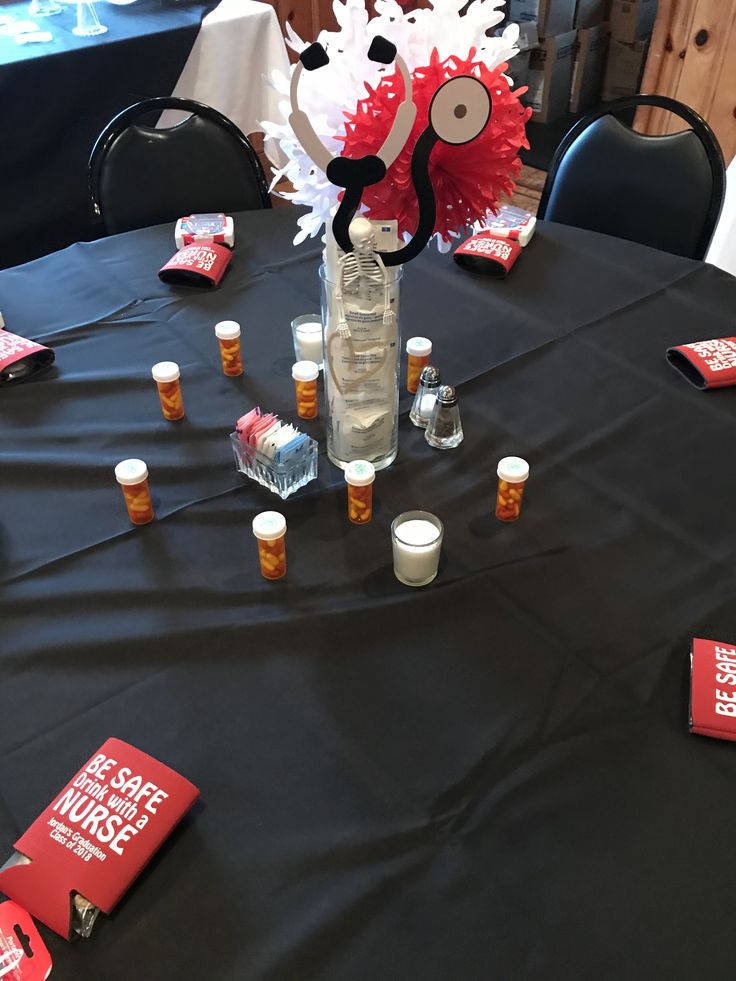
column 458, row 113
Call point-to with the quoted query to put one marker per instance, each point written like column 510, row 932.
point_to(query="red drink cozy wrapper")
column 706, row 364
column 95, row 837
column 200, row 264
column 713, row 689
column 23, row 955
column 20, row 358
column 487, row 253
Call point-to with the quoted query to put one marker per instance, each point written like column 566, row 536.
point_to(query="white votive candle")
column 308, row 338
column 416, row 539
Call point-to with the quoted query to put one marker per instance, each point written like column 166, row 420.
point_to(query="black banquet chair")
column 662, row 191
column 141, row 176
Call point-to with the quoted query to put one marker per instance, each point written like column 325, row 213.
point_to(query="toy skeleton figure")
column 359, row 272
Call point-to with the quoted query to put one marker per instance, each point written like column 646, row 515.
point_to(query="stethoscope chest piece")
column 458, row 113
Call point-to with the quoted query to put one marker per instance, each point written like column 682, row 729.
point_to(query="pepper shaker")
column 445, row 430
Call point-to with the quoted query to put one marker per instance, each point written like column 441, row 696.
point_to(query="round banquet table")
column 489, row 778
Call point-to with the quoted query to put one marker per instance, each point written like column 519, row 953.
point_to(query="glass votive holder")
column 416, row 539
column 306, row 332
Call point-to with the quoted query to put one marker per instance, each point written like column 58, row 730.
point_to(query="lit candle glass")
column 307, row 334
column 416, row 538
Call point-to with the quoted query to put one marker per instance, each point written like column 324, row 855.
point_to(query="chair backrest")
column 663, row 191
column 141, row 176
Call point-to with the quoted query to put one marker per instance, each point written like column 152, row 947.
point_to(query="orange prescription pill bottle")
column 359, row 476
column 228, row 334
column 418, row 349
column 132, row 475
column 166, row 376
column 513, row 473
column 305, row 374
column 269, row 528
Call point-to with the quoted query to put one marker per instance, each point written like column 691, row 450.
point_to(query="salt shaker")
column 445, row 429
column 421, row 410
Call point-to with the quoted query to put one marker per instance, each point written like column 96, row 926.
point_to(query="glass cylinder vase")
column 362, row 351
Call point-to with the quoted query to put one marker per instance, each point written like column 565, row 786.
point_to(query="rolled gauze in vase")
column 21, row 359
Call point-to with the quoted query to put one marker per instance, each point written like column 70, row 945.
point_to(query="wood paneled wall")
column 692, row 58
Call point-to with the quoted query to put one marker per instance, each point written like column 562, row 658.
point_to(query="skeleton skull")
column 361, row 272
column 362, row 236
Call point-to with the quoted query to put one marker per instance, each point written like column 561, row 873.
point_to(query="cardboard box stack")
column 550, row 77
column 566, row 70
column 591, row 22
column 632, row 20
column 552, row 17
column 631, row 27
column 590, row 13
column 590, row 64
column 528, row 40
column 550, row 63
column 573, row 53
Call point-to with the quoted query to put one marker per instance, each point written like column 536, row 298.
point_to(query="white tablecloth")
column 722, row 251
column 237, row 48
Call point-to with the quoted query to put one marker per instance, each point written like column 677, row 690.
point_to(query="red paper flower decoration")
column 468, row 180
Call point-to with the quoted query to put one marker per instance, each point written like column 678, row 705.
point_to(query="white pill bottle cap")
column 269, row 525
column 304, row 371
column 513, row 469
column 131, row 472
column 360, row 473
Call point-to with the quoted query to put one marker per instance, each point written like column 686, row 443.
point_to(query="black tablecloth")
column 490, row 778
column 57, row 97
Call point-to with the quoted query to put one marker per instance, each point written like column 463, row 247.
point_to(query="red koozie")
column 713, row 689
column 707, row 364
column 489, row 254
column 97, row 834
column 23, row 956
column 202, row 264
column 19, row 358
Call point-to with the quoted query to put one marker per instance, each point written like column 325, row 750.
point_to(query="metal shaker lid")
column 446, row 395
column 430, row 376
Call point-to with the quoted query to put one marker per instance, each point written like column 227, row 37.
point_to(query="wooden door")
column 692, row 58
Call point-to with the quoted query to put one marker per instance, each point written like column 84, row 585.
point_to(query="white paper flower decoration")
column 327, row 94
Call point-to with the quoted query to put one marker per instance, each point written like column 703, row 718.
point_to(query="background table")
column 487, row 778
column 722, row 250
column 57, row 97
column 238, row 47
